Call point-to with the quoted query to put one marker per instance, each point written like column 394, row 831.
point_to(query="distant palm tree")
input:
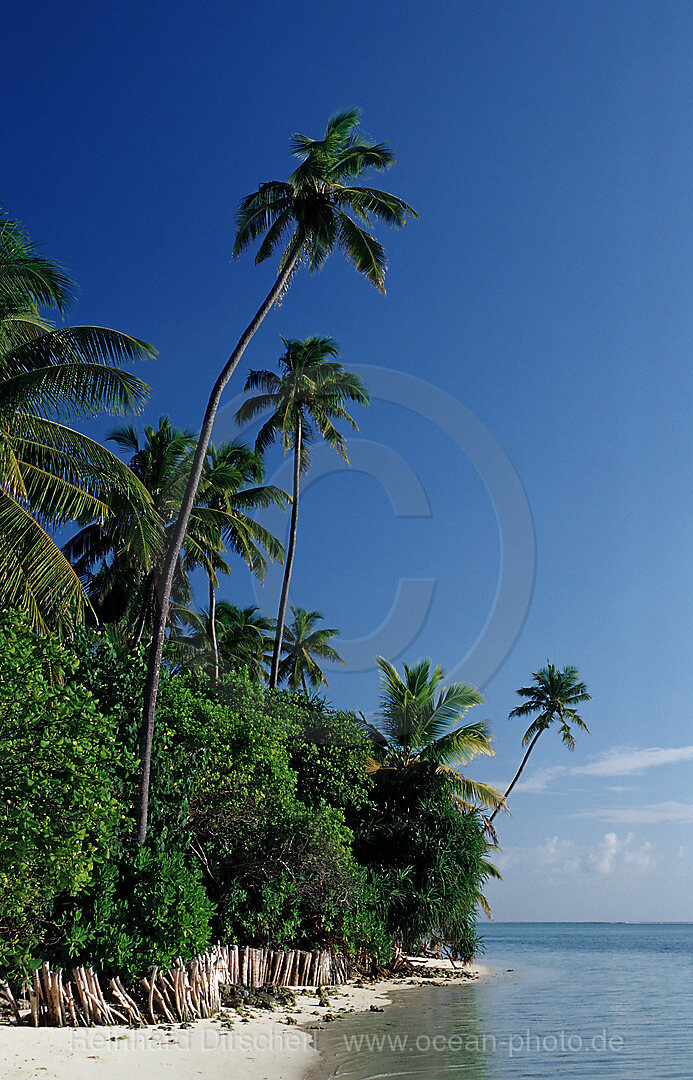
column 49, row 473
column 303, row 641
column 418, row 725
column 126, row 585
column 244, row 640
column 224, row 489
column 553, row 695
column 305, row 398
column 320, row 207
column 120, row 559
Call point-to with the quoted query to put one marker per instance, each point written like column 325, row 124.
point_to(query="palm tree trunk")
column 213, row 631
column 146, row 604
column 159, row 629
column 303, row 682
column 288, row 566
column 139, row 628
column 516, row 777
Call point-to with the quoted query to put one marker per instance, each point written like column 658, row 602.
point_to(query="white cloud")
column 613, row 851
column 621, row 761
column 653, row 814
column 554, row 854
column 560, row 855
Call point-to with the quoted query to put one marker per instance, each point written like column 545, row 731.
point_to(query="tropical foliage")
column 59, row 813
column 243, row 639
column 51, row 474
column 232, row 487
column 121, row 559
column 429, row 859
column 419, row 725
column 320, row 207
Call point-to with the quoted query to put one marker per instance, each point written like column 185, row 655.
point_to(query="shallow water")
column 586, row 1000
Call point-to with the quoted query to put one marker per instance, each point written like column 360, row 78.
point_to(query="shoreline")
column 265, row 1044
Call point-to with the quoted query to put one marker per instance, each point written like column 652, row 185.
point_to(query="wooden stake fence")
column 186, row 992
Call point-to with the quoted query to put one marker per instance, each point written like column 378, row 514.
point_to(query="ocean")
column 575, row 1000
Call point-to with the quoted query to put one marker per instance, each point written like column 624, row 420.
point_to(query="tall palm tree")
column 309, row 393
column 318, row 208
column 419, row 724
column 49, row 473
column 224, row 489
column 304, row 640
column 553, row 696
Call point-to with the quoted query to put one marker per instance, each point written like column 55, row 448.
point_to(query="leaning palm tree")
column 553, row 696
column 319, row 208
column 309, row 393
column 303, row 641
column 419, row 725
column 49, row 473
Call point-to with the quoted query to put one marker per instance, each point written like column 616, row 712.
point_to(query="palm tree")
column 319, row 208
column 414, row 730
column 120, row 559
column 127, row 585
column 305, row 398
column 553, row 695
column 224, row 489
column 49, row 473
column 303, row 641
column 245, row 638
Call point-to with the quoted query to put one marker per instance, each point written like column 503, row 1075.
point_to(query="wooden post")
column 80, row 983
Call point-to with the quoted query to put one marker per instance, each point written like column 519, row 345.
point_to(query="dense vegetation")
column 267, row 827
column 158, row 788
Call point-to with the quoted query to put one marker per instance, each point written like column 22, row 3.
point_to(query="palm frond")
column 362, row 249
column 26, row 277
column 369, row 201
column 35, row 577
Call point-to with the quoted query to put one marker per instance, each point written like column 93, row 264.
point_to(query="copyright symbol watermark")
column 413, row 597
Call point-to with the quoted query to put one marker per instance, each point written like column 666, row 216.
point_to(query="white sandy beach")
column 262, row 1046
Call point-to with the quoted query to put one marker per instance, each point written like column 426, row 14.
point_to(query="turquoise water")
column 585, row 1000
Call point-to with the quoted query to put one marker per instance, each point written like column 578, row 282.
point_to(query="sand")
column 262, row 1046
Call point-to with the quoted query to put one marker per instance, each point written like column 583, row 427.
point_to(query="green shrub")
column 116, row 674
column 146, row 908
column 328, row 753
column 60, row 813
column 285, row 875
column 427, row 859
column 264, row 826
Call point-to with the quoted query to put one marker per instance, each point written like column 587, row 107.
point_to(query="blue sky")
column 546, row 287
